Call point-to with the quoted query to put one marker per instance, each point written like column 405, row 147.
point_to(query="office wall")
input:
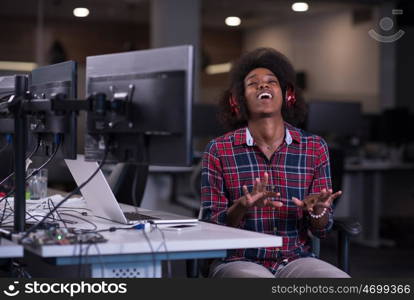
column 17, row 39
column 219, row 46
column 340, row 60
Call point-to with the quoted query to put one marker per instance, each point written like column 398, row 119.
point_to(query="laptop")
column 102, row 202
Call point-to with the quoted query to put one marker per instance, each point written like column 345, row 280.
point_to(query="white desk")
column 129, row 250
column 363, row 196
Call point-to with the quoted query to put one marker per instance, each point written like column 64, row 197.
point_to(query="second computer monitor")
column 334, row 118
column 146, row 114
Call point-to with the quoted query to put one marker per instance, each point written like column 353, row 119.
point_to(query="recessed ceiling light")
column 300, row 6
column 17, row 66
column 232, row 21
column 81, row 12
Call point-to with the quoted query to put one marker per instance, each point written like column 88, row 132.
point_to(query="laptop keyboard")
column 133, row 216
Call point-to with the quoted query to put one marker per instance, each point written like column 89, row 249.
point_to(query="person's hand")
column 322, row 200
column 260, row 196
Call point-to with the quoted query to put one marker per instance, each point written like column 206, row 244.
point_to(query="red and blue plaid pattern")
column 299, row 167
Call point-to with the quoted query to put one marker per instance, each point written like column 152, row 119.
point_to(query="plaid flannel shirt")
column 299, row 167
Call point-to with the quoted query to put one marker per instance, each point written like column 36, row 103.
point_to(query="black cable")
column 34, row 172
column 76, row 190
column 2, row 218
column 112, row 229
column 75, row 208
column 164, row 240
column 49, row 201
column 106, row 219
column 80, row 259
column 6, row 94
column 134, row 187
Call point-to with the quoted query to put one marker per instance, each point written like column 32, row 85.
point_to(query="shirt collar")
column 243, row 136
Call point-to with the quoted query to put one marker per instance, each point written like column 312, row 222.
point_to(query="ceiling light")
column 81, row 12
column 232, row 21
column 300, row 6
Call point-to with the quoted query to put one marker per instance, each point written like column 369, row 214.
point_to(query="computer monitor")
column 395, row 124
column 54, row 81
column 206, row 122
column 7, row 86
column 142, row 106
column 334, row 118
column 7, row 90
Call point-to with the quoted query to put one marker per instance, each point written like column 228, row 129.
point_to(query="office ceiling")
column 252, row 12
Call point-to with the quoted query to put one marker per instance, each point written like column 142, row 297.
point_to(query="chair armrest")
column 349, row 226
column 192, row 268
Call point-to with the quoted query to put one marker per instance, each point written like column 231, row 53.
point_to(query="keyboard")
column 133, row 216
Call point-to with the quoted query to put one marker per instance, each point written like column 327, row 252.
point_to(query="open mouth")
column 265, row 95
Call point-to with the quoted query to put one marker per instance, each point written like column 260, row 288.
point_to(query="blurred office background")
column 354, row 63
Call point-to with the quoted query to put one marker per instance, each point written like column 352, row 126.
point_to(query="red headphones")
column 290, row 98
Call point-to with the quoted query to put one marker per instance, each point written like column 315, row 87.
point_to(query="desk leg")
column 148, row 269
column 366, row 206
column 379, row 192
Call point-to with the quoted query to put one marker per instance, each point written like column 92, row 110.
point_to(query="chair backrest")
column 337, row 162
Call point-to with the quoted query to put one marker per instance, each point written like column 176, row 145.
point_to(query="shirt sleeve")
column 214, row 203
column 322, row 180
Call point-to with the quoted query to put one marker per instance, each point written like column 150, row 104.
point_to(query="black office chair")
column 345, row 227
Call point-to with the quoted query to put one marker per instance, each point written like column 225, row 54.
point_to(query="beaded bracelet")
column 319, row 215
